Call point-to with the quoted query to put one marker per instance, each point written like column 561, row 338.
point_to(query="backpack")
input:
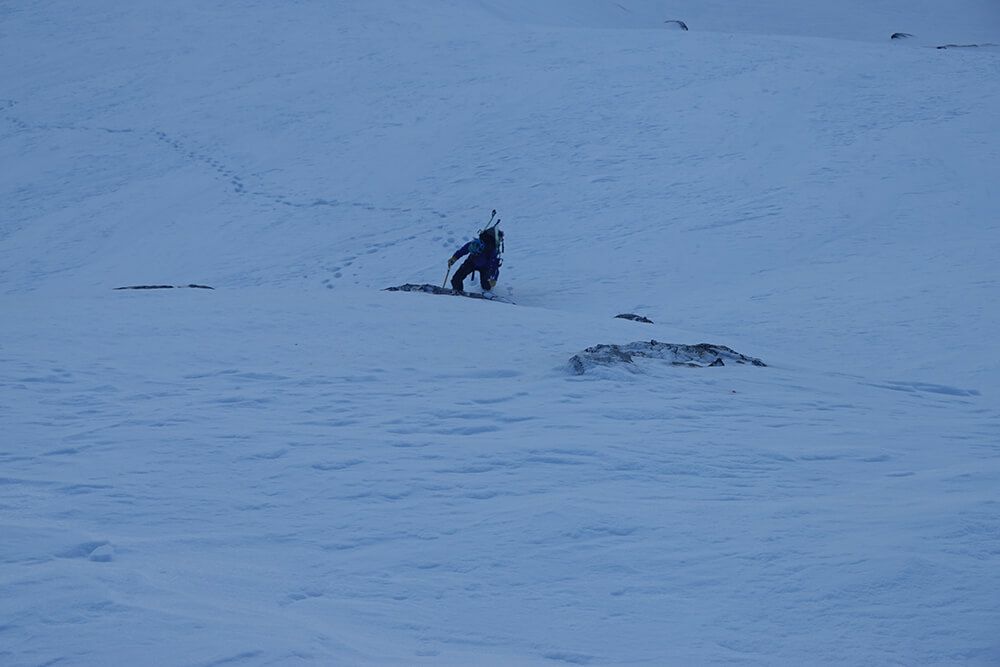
column 491, row 236
column 488, row 238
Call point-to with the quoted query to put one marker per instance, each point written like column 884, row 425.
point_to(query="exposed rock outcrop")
column 702, row 355
column 192, row 286
column 634, row 317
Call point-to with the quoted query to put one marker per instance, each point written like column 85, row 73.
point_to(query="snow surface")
column 300, row 468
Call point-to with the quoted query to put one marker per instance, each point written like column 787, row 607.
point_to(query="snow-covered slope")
column 298, row 467
column 928, row 21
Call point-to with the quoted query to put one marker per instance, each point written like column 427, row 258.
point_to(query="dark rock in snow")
column 906, row 35
column 963, row 46
column 634, row 317
column 192, row 286
column 147, row 287
column 677, row 24
column 696, row 356
column 434, row 289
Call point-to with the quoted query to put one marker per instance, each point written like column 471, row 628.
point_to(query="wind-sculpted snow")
column 697, row 356
column 396, row 480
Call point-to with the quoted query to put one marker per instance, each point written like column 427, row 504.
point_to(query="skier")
column 483, row 256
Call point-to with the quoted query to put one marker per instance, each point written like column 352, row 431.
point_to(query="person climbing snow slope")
column 483, row 256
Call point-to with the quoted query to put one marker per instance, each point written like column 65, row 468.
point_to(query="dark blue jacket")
column 484, row 258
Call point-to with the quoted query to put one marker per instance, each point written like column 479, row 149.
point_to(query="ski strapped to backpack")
column 497, row 235
column 490, row 232
column 492, row 226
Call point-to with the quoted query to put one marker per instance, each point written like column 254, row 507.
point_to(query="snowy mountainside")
column 300, row 468
column 331, row 145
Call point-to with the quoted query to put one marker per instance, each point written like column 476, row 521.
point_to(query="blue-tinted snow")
column 300, row 468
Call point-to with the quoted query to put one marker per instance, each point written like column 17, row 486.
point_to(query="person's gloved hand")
column 451, row 260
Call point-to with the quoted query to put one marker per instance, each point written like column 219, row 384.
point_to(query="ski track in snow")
column 298, row 468
column 234, row 179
